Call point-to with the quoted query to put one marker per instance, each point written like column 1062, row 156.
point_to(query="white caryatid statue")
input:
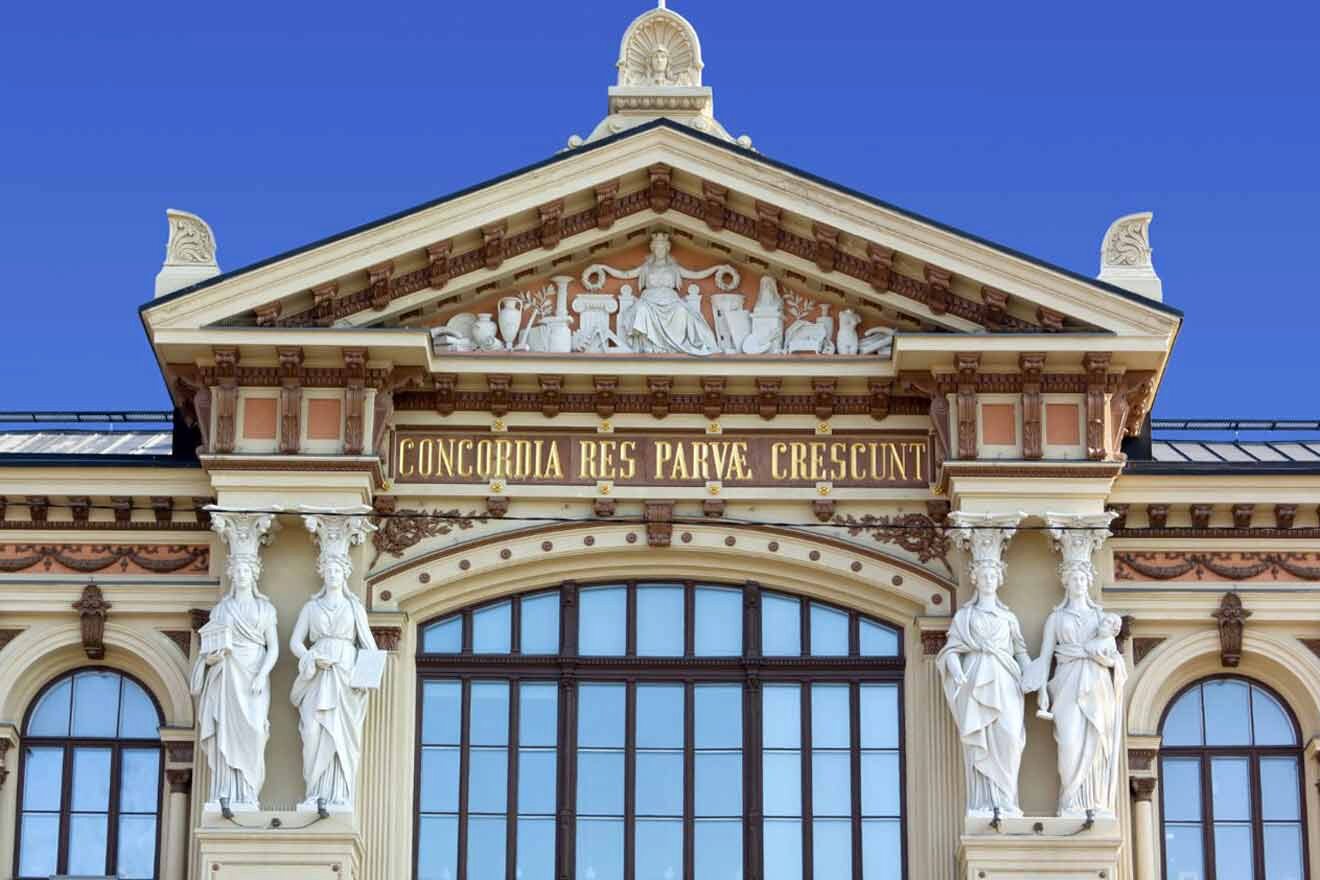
column 232, row 676
column 1084, row 699
column 981, row 666
column 662, row 320
column 331, row 630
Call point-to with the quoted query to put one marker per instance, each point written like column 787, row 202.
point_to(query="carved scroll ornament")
column 916, row 533
column 406, row 528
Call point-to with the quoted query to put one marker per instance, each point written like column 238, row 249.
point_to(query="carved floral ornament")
column 1127, row 243
column 191, row 241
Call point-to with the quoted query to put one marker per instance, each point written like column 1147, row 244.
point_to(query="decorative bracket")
column 92, row 610
column 1232, row 618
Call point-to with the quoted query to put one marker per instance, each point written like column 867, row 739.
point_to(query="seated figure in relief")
column 662, row 321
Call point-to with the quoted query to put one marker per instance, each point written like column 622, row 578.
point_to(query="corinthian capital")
column 338, row 530
column 244, row 532
column 1078, row 536
column 984, row 535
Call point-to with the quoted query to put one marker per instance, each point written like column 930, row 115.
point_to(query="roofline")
column 55, row 459
column 663, row 122
column 1220, row 469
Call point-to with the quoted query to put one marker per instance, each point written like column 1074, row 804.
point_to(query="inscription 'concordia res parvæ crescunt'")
column 863, row 459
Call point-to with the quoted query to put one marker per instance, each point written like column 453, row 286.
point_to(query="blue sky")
column 1033, row 124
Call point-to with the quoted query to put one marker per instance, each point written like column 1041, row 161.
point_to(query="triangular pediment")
column 719, row 203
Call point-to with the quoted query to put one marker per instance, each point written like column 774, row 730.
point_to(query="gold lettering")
column 628, row 457
column 445, row 458
column 553, row 469
column 919, row 449
column 537, row 463
column 719, row 453
column 738, row 461
column 522, row 459
column 664, row 451
column 896, row 456
column 680, row 468
column 426, row 458
column 462, row 457
column 607, row 462
column 877, row 466
column 799, row 451
column 855, row 451
column 404, row 443
column 838, row 467
column 700, row 465
column 587, row 469
column 775, row 449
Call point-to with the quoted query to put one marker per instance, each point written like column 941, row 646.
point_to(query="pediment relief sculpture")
column 664, row 305
column 660, row 49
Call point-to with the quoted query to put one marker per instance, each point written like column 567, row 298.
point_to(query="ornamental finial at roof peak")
column 660, row 75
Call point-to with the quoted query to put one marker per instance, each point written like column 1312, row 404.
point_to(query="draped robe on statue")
column 988, row 705
column 1085, row 696
column 663, row 321
column 330, row 712
column 232, row 722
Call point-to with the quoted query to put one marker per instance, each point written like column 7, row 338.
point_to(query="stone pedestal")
column 280, row 845
column 1032, row 848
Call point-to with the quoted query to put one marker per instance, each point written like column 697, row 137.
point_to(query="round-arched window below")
column 660, row 729
column 1231, row 785
column 90, row 780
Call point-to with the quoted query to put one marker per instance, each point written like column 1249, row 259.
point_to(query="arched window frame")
column 117, row 745
column 568, row 668
column 1253, row 753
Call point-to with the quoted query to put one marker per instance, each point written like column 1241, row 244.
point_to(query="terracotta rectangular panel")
column 259, row 418
column 998, row 424
column 324, row 418
column 1062, row 424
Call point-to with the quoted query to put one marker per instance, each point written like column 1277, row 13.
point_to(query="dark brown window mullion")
column 112, row 807
column 753, row 794
column 515, row 621
column 1257, row 814
column 66, row 805
column 566, row 762
column 804, row 625
column 752, row 620
column 630, row 778
column 689, row 778
column 630, row 610
column 855, row 765
column 464, row 764
column 1207, row 813
column 689, row 619
column 511, row 798
column 808, row 837
column 465, row 646
column 855, row 635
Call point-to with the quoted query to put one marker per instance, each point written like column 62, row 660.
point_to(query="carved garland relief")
column 1217, row 566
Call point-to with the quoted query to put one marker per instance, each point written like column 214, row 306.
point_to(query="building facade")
column 658, row 511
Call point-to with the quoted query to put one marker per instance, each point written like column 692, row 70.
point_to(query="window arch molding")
column 41, row 654
column 865, row 579
column 1282, row 664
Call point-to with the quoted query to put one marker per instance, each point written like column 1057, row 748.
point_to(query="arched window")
column 1231, row 785
column 90, row 780
column 659, row 731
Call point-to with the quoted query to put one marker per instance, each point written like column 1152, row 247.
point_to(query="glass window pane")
column 51, row 716
column 783, row 849
column 660, row 716
column 1181, row 787
column 603, row 621
column 600, row 783
column 139, row 780
column 437, row 848
column 138, row 718
column 877, row 640
column 1227, row 715
column 829, row 632
column 442, row 710
column 536, row 849
column 445, row 637
column 718, row 710
column 536, row 781
column 882, row 849
column 781, row 626
column 718, row 785
column 540, row 624
column 137, row 848
column 659, row 783
column 87, row 842
column 490, row 713
column 601, row 716
column 717, row 850
column 40, row 844
column 43, row 777
column 781, row 716
column 492, row 629
column 1183, row 852
column 658, row 851
column 486, row 846
column 782, row 783
column 1182, row 724
column 880, row 784
column 717, row 630
column 1283, row 852
column 659, row 621
column 1278, row 789
column 831, row 848
column 1271, row 723
column 1231, row 789
column 439, row 780
column 830, row 726
column 95, row 705
column 599, row 849
column 831, row 788
column 538, row 713
column 488, row 780
column 1233, row 851
column 879, row 716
